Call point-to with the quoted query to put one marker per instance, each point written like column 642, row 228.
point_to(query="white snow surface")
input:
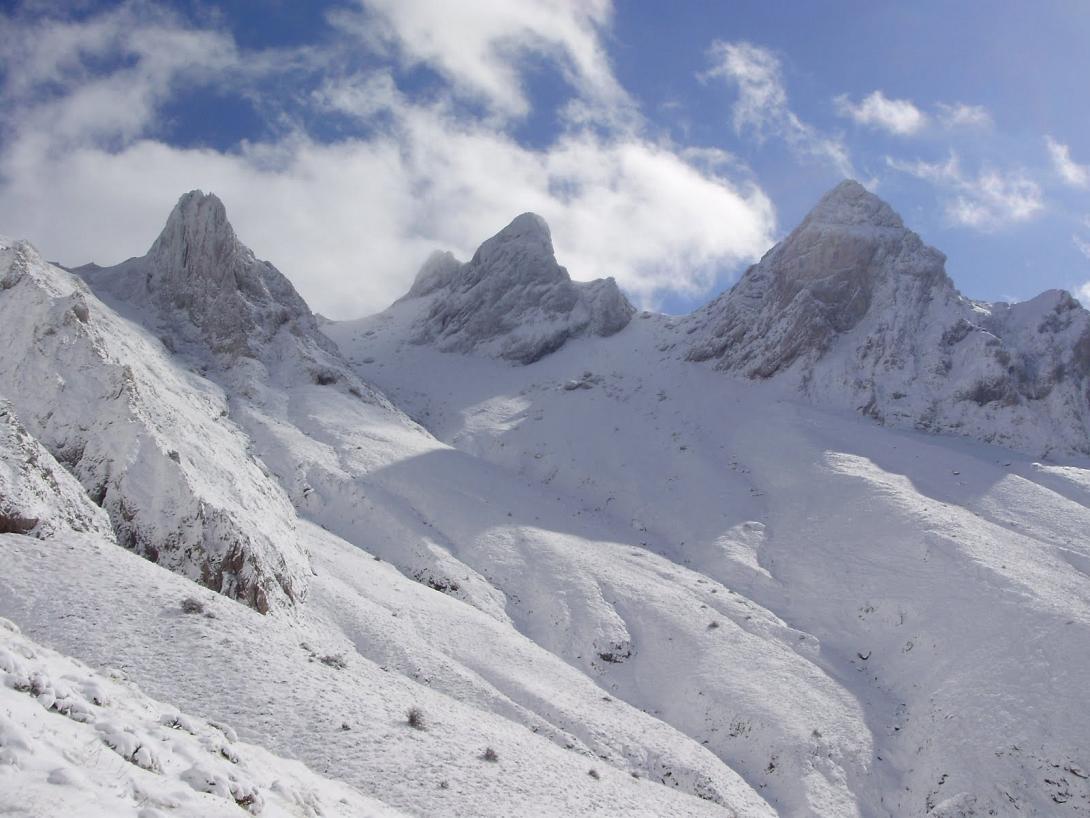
column 74, row 741
column 933, row 591
column 720, row 597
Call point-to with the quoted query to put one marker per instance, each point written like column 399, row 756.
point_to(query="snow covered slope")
column 460, row 526
column 608, row 581
column 854, row 310
column 76, row 742
column 511, row 300
column 937, row 589
column 149, row 441
column 333, row 686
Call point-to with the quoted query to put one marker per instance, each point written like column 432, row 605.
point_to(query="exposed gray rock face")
column 858, row 312
column 208, row 298
column 197, row 266
column 513, row 300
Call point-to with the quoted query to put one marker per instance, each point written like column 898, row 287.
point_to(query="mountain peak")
column 198, row 267
column 850, row 204
column 512, row 299
column 526, row 227
column 523, row 248
column 196, row 230
column 851, row 256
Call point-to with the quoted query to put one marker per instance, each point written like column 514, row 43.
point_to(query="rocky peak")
column 198, row 271
column 197, row 238
column 525, row 240
column 856, row 311
column 436, row 272
column 849, row 204
column 849, row 255
column 512, row 299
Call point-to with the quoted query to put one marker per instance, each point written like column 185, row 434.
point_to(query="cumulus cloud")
column 985, row 201
column 349, row 221
column 1072, row 173
column 897, row 116
column 476, row 45
column 762, row 109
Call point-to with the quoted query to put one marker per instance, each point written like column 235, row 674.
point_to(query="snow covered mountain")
column 149, row 441
column 607, row 580
column 855, row 310
column 512, row 300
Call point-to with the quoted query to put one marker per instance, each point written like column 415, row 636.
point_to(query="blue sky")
column 667, row 144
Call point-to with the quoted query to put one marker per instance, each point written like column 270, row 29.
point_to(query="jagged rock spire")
column 512, row 299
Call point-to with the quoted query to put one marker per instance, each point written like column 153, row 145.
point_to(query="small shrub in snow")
column 336, row 661
column 713, row 625
column 490, row 755
column 416, row 719
column 190, row 605
column 593, row 773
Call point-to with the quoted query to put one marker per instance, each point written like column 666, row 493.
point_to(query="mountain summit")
column 198, row 269
column 851, row 253
column 512, row 300
column 855, row 310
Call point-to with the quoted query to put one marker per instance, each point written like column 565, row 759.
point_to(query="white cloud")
column 762, row 108
column 1081, row 244
column 47, row 74
column 960, row 115
column 350, row 221
column 1069, row 170
column 986, row 201
column 1082, row 292
column 897, row 116
column 476, row 45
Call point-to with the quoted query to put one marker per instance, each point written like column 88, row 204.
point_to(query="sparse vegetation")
column 334, row 660
column 490, row 755
column 593, row 773
column 416, row 719
column 192, row 605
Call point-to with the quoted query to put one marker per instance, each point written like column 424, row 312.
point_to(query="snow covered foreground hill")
column 647, row 586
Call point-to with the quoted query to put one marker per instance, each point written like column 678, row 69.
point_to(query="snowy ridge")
column 856, row 312
column 148, row 441
column 512, row 300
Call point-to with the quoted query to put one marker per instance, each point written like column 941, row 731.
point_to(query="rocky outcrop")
column 198, row 267
column 855, row 310
column 149, row 442
column 512, row 300
column 209, row 299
